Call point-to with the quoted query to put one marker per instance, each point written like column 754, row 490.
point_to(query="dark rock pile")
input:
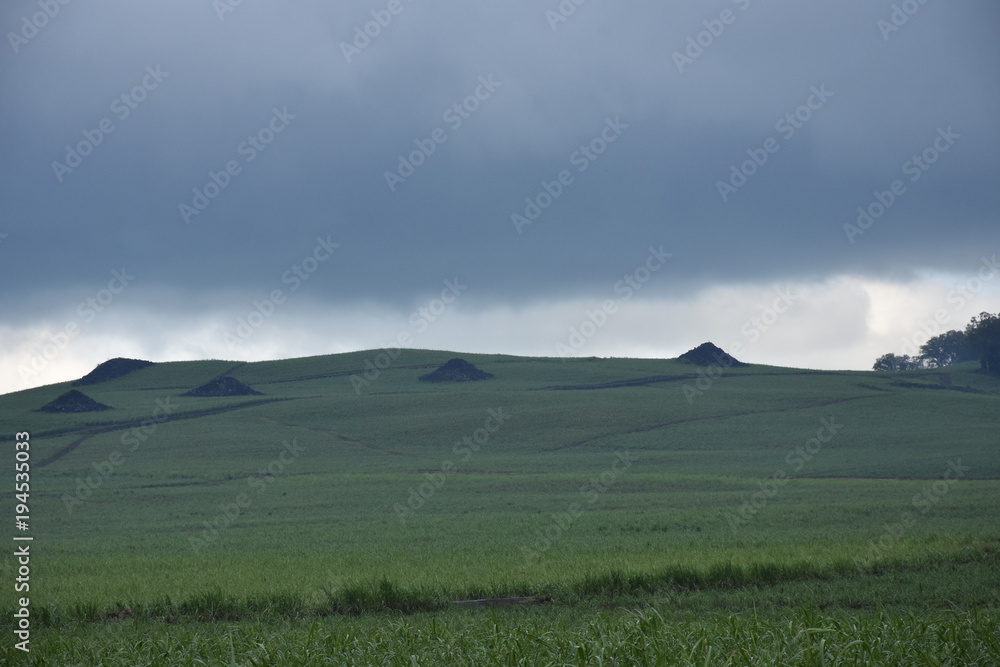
column 709, row 354
column 224, row 386
column 456, row 370
column 111, row 369
column 73, row 401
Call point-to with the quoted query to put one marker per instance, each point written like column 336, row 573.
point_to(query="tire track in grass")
column 336, row 435
column 359, row 371
column 91, row 431
column 656, row 379
column 185, row 387
column 688, row 420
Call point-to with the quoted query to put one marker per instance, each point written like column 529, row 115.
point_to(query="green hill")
column 347, row 470
column 564, row 415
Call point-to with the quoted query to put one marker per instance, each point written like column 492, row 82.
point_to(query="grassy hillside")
column 568, row 480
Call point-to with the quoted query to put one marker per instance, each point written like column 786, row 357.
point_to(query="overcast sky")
column 324, row 171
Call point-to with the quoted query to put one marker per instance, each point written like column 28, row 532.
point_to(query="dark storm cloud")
column 222, row 78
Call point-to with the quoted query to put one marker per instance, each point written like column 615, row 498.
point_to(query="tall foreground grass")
column 542, row 637
column 967, row 575
column 932, row 610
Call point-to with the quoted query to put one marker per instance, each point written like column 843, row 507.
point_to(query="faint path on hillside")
column 688, row 420
column 299, row 378
column 655, row 379
column 64, row 451
column 358, row 371
column 91, row 431
column 336, row 435
column 229, row 372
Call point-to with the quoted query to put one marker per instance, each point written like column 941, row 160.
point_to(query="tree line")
column 979, row 342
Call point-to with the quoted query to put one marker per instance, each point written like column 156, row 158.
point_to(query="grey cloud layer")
column 347, row 123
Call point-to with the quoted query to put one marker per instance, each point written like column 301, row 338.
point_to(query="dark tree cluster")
column 979, row 342
column 983, row 334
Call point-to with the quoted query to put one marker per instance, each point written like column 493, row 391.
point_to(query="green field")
column 655, row 513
